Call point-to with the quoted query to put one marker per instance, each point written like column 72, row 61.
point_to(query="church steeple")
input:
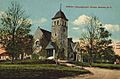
column 60, row 31
column 60, row 6
column 60, row 14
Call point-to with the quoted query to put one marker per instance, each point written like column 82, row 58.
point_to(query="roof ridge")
column 60, row 14
column 44, row 29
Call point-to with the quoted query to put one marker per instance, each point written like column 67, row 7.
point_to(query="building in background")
column 4, row 55
column 116, row 47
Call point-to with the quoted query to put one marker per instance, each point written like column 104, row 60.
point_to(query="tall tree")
column 97, row 40
column 15, row 25
column 104, row 48
column 91, row 36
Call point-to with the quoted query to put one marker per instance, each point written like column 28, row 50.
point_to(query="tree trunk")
column 21, row 56
column 12, row 60
column 13, row 45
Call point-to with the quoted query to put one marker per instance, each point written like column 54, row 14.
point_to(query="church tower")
column 60, row 33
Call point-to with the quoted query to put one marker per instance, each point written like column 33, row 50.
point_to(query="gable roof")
column 49, row 46
column 76, row 45
column 4, row 54
column 47, row 34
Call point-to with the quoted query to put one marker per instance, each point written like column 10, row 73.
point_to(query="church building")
column 56, row 41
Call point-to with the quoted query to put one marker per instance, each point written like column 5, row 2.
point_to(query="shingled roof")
column 46, row 38
column 3, row 52
column 60, row 14
column 47, row 34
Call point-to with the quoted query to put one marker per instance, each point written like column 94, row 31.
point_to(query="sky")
column 41, row 12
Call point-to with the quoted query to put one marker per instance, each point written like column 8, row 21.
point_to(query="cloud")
column 113, row 28
column 0, row 13
column 79, row 25
column 75, row 28
column 83, row 19
column 40, row 21
column 84, row 30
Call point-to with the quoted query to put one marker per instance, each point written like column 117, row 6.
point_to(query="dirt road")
column 99, row 73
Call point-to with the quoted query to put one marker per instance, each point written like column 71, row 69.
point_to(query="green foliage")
column 60, row 51
column 15, row 30
column 97, row 43
column 30, row 61
column 117, row 57
column 84, row 64
column 41, row 71
column 104, row 49
column 85, row 57
column 43, row 53
column 35, row 56
column 101, row 65
column 109, row 66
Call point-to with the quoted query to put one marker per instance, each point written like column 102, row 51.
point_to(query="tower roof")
column 60, row 14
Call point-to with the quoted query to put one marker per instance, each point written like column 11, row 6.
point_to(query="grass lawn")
column 108, row 66
column 38, row 71
column 100, row 65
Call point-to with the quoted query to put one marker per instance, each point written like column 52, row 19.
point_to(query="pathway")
column 99, row 73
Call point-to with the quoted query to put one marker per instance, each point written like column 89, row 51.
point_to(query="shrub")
column 35, row 56
column 105, row 62
column 35, row 61
column 30, row 61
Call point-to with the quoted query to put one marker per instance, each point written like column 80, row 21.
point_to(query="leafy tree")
column 104, row 48
column 97, row 42
column 91, row 36
column 15, row 27
column 25, row 45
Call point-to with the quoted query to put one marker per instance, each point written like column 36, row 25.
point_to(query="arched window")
column 37, row 43
column 57, row 22
column 54, row 22
column 55, row 34
column 65, row 23
column 62, row 22
column 63, row 29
